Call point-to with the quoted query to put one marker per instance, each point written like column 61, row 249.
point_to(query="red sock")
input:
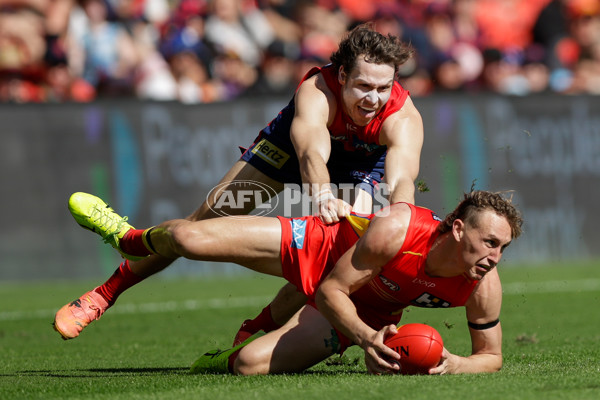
column 264, row 321
column 231, row 360
column 122, row 279
column 133, row 243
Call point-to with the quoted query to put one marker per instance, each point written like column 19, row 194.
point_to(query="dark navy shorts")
column 273, row 154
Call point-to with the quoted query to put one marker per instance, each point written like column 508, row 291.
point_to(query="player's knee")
column 186, row 238
column 250, row 363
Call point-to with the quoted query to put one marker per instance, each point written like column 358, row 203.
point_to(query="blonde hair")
column 480, row 200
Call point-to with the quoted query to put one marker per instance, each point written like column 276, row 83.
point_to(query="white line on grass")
column 514, row 288
column 580, row 285
column 148, row 308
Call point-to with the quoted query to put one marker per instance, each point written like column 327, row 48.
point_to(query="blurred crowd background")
column 201, row 51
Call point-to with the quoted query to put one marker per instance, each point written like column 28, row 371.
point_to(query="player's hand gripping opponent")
column 329, row 208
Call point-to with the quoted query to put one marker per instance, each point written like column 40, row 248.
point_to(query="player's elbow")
column 311, row 157
column 323, row 294
column 498, row 364
column 480, row 363
column 493, row 363
column 320, row 297
column 402, row 190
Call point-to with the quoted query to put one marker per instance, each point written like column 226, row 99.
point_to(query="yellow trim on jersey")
column 412, row 253
column 358, row 223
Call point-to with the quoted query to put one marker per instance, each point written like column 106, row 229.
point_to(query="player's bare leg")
column 287, row 295
column 72, row 318
column 283, row 306
column 253, row 243
column 305, row 340
column 241, row 171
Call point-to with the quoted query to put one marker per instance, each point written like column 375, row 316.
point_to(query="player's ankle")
column 266, row 321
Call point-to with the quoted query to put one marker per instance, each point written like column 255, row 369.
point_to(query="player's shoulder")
column 401, row 208
column 403, row 217
column 395, row 217
column 405, row 124
column 313, row 94
column 388, row 229
column 408, row 111
column 314, row 86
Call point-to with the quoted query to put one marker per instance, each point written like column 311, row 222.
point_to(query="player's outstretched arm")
column 333, row 301
column 403, row 135
column 312, row 143
column 356, row 268
column 483, row 311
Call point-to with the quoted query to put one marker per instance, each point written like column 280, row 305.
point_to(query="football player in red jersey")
column 349, row 122
column 358, row 274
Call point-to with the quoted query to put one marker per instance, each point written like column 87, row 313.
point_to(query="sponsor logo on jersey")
column 435, row 217
column 368, row 147
column 430, row 301
column 270, row 153
column 389, row 283
column 339, row 137
column 423, row 282
column 354, row 142
column 298, row 232
column 364, row 176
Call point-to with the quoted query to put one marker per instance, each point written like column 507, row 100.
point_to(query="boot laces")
column 110, row 222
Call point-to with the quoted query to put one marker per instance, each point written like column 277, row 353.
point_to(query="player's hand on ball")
column 420, row 347
column 444, row 367
column 379, row 358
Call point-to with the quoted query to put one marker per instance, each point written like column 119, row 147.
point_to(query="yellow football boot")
column 94, row 214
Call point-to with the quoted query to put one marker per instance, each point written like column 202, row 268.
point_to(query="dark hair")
column 375, row 47
column 478, row 201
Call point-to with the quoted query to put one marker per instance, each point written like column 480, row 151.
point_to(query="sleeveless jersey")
column 343, row 129
column 403, row 282
column 310, row 250
column 357, row 156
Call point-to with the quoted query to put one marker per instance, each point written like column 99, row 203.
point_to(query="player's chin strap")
column 481, row 327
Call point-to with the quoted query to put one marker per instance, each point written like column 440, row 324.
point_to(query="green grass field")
column 142, row 348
